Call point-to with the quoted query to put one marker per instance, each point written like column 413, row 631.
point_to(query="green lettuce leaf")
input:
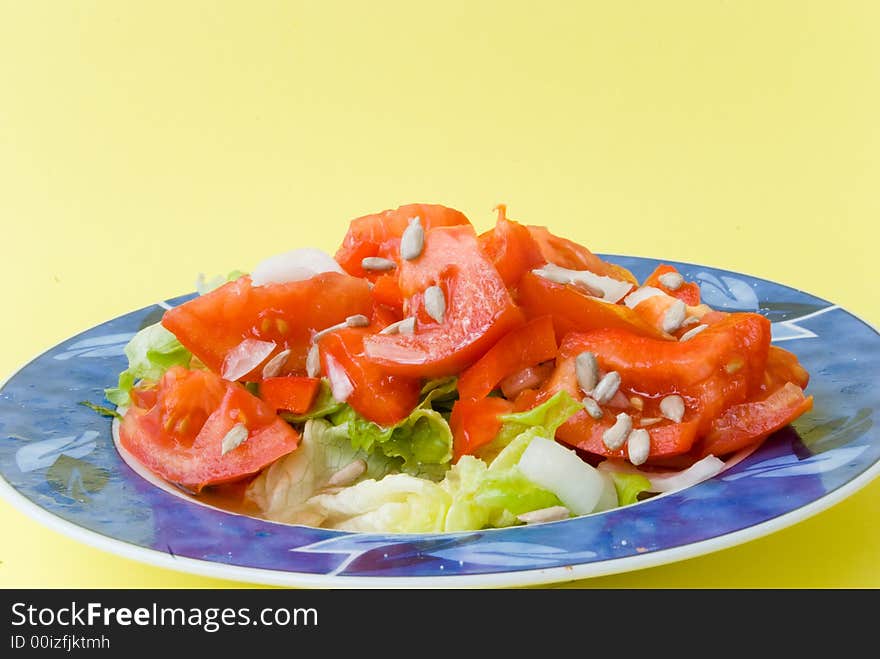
column 544, row 419
column 629, row 487
column 204, row 285
column 423, row 440
column 151, row 352
column 282, row 489
column 440, row 394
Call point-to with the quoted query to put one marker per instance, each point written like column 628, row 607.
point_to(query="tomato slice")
column 511, row 249
column 377, row 395
column 212, row 325
column 475, row 423
column 379, row 234
column 527, row 345
column 782, row 367
column 479, row 309
column 688, row 292
column 386, row 292
column 575, row 311
column 747, row 423
column 180, row 436
column 289, row 393
column 569, row 254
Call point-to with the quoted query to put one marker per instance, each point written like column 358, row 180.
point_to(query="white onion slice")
column 612, row 289
column 245, row 357
column 670, row 481
column 296, row 265
column 340, row 385
column 640, row 295
column 559, row 470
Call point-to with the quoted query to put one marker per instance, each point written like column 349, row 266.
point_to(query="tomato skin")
column 475, row 423
column 747, row 423
column 511, row 249
column 569, row 254
column 688, row 292
column 386, row 292
column 574, row 311
column 378, row 234
column 379, row 396
column 211, row 325
column 289, row 393
column 479, row 309
column 782, row 367
column 179, row 437
column 527, row 345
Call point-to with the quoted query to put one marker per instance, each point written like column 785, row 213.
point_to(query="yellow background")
column 142, row 143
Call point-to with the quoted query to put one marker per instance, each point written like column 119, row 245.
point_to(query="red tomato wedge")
column 289, row 393
column 747, row 423
column 575, row 311
column 180, row 435
column 782, row 367
column 688, row 292
column 530, row 344
column 377, row 395
column 379, row 234
column 475, row 423
column 569, row 254
column 511, row 249
column 212, row 325
column 479, row 309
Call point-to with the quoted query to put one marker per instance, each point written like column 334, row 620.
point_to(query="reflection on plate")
column 59, row 465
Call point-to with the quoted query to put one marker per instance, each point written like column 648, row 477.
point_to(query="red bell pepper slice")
column 290, row 393
column 530, row 344
column 569, row 254
column 688, row 292
column 575, row 311
column 479, row 309
column 511, row 249
column 377, row 395
column 475, row 423
column 747, row 423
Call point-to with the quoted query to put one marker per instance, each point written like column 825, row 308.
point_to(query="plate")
column 59, row 465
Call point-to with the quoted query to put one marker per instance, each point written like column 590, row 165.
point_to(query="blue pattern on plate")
column 60, row 455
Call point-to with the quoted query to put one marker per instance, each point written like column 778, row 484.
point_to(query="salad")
column 428, row 378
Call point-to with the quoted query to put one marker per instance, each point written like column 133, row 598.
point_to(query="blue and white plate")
column 59, row 465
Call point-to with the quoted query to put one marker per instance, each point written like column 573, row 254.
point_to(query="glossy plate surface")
column 59, row 465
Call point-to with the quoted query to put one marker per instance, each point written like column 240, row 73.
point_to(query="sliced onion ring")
column 245, row 357
column 340, row 385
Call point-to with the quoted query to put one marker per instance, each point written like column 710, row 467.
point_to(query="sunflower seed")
column 671, row 280
column 313, row 362
column 650, row 420
column 674, row 316
column 377, row 264
column 348, row 474
column 413, row 240
column 587, row 369
column 273, row 366
column 690, row 320
column 435, row 303
column 592, row 408
column 405, row 326
column 552, row 514
column 616, row 435
column 358, row 320
column 691, row 333
column 607, row 387
column 638, row 446
column 637, row 403
column 317, row 336
column 672, row 407
column 236, row 435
